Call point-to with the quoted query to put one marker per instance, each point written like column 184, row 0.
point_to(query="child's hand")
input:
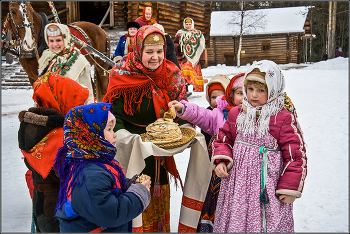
column 287, row 198
column 221, row 170
column 178, row 106
column 145, row 180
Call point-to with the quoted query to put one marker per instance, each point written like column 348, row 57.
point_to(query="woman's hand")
column 221, row 170
column 286, row 198
column 178, row 106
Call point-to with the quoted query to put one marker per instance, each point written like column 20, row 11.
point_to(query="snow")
column 278, row 20
column 320, row 94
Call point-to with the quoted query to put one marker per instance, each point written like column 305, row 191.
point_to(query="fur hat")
column 188, row 20
column 132, row 25
column 154, row 39
column 35, row 124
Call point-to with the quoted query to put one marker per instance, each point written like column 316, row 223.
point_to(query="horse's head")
column 21, row 24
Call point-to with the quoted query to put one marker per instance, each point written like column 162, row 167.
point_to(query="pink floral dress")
column 239, row 208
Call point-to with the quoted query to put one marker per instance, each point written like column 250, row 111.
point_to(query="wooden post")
column 73, row 12
column 111, row 14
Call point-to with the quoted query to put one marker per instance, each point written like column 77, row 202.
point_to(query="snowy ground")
column 320, row 94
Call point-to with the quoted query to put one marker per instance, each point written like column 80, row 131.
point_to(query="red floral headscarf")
column 133, row 80
column 229, row 88
column 59, row 92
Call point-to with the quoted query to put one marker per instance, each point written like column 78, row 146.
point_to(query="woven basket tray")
column 187, row 135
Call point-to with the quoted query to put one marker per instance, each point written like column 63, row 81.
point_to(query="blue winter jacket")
column 93, row 205
column 119, row 51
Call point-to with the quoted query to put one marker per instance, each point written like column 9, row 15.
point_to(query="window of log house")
column 266, row 46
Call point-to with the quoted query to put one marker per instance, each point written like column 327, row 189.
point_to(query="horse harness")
column 23, row 53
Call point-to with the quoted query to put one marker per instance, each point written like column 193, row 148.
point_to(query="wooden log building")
column 170, row 14
column 280, row 41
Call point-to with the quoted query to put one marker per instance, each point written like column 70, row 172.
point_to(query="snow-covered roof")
column 277, row 20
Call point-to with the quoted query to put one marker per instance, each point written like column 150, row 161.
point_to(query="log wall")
column 283, row 48
column 169, row 14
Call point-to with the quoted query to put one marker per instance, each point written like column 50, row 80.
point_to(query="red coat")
column 283, row 127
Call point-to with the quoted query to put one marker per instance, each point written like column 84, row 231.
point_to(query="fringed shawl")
column 85, row 144
column 132, row 80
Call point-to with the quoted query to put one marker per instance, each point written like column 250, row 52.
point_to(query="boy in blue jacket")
column 94, row 194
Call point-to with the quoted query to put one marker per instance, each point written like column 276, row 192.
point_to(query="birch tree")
column 246, row 21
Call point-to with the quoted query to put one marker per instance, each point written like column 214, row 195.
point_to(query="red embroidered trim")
column 184, row 228
column 137, row 229
column 192, row 204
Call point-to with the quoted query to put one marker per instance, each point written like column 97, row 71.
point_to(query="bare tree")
column 246, row 21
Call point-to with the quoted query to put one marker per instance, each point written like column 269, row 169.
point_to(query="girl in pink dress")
column 260, row 157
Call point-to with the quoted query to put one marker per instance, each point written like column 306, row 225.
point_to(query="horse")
column 27, row 28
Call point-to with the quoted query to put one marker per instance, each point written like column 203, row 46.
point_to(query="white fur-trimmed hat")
column 256, row 75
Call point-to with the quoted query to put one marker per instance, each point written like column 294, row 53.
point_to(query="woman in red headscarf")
column 146, row 18
column 41, row 135
column 140, row 89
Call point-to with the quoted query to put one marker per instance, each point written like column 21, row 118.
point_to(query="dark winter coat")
column 91, row 204
column 45, row 196
column 170, row 51
column 119, row 51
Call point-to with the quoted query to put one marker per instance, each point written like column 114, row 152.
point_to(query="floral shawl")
column 132, row 80
column 277, row 100
column 192, row 44
column 84, row 144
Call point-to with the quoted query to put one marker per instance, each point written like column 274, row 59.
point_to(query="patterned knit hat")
column 238, row 83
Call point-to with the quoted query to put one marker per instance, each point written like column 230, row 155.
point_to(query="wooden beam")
column 58, row 13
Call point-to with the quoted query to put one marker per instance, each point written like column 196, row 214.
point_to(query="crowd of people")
column 254, row 142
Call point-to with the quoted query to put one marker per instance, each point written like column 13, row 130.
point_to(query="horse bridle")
column 23, row 53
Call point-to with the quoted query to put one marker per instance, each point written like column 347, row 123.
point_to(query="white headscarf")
column 64, row 32
column 184, row 23
column 246, row 121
